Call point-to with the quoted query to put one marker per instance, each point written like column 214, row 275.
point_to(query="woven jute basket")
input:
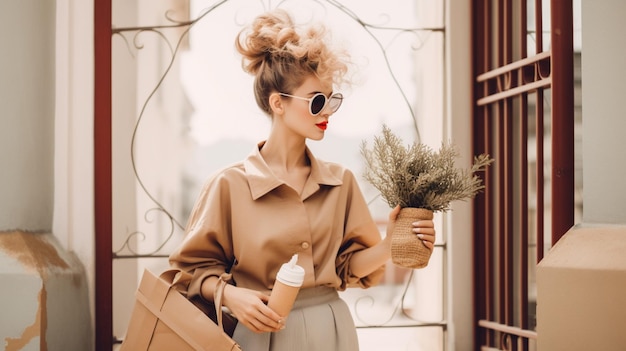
column 407, row 250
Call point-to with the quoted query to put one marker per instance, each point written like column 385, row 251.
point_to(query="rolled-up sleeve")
column 361, row 232
column 207, row 248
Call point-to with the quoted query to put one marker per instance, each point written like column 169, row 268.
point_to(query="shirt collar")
column 262, row 180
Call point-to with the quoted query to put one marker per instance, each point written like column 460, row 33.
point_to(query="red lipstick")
column 322, row 125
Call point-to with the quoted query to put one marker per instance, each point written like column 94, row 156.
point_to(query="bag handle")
column 172, row 320
column 218, row 295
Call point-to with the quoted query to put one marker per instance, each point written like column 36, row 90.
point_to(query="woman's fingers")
column 425, row 230
column 250, row 309
column 261, row 323
column 425, row 223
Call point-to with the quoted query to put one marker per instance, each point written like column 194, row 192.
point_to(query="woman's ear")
column 276, row 104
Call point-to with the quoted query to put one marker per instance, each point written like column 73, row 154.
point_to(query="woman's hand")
column 424, row 229
column 249, row 307
column 366, row 261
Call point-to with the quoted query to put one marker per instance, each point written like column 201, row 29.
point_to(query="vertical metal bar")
column 500, row 34
column 490, row 228
column 508, row 31
column 539, row 137
column 103, row 176
column 492, row 201
column 501, row 214
column 482, row 223
column 523, row 27
column 509, row 212
column 482, row 294
column 524, row 234
column 509, row 194
column 523, row 214
column 539, row 131
column 562, row 69
column 538, row 26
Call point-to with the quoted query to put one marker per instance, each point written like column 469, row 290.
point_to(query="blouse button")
column 305, row 245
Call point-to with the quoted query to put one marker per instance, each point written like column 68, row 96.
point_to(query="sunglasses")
column 319, row 101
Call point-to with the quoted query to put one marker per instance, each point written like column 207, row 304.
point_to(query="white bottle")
column 288, row 282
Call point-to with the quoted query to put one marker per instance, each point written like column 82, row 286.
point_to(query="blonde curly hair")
column 281, row 56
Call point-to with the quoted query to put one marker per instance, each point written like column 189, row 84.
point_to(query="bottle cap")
column 290, row 273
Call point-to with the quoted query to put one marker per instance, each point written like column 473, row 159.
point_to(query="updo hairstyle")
column 281, row 56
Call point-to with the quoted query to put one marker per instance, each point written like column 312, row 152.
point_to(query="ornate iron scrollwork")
column 173, row 51
column 399, row 310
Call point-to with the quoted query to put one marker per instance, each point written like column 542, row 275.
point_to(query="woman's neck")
column 288, row 162
column 285, row 155
column 284, row 151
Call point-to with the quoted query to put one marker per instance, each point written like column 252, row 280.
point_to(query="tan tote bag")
column 163, row 319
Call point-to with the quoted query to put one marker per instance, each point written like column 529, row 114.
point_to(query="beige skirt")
column 319, row 321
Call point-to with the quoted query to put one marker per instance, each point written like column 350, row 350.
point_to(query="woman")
column 251, row 217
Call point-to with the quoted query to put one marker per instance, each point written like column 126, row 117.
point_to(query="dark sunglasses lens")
column 317, row 104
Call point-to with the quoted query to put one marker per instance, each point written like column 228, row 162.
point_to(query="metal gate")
column 524, row 118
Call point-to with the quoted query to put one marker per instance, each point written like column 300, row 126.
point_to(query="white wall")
column 26, row 125
column 73, row 182
column 604, row 120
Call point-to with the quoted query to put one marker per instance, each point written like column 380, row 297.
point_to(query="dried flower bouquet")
column 421, row 181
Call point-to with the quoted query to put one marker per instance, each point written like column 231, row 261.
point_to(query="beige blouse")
column 249, row 222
